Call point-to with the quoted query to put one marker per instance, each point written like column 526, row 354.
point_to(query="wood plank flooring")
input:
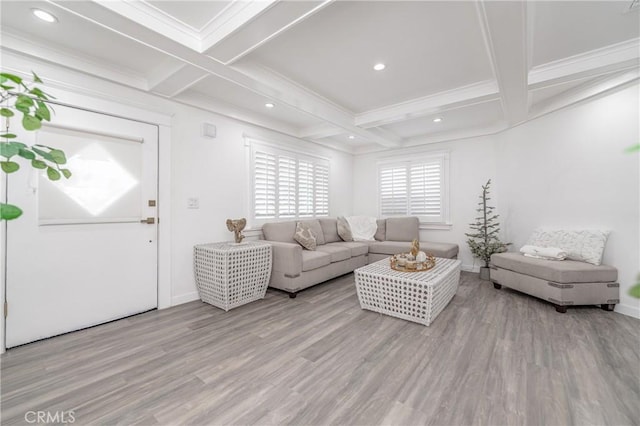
column 492, row 357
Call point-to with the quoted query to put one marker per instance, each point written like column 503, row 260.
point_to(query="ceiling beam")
column 271, row 22
column 584, row 91
column 607, row 60
column 320, row 131
column 177, row 80
column 293, row 95
column 432, row 104
column 503, row 27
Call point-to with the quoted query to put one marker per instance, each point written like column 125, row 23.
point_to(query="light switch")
column 193, row 203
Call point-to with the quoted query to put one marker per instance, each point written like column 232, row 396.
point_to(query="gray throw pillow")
column 344, row 230
column 304, row 236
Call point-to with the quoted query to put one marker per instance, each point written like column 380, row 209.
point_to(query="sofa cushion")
column 389, row 247
column 330, row 230
column 445, row 250
column 305, row 236
column 402, row 229
column 314, row 260
column 314, row 224
column 344, row 231
column 585, row 245
column 336, row 251
column 558, row 271
column 381, row 232
column 280, row 231
column 357, row 248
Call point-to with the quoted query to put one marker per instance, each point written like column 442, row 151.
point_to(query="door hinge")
column 6, row 308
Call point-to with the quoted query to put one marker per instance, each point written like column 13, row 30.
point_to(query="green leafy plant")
column 26, row 99
column 483, row 240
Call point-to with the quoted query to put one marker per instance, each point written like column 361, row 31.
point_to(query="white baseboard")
column 184, row 298
column 632, row 311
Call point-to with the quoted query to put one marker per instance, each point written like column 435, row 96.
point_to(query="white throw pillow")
column 363, row 228
column 584, row 245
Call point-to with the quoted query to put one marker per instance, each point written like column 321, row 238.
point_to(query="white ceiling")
column 479, row 65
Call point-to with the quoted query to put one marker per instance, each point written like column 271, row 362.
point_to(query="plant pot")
column 484, row 273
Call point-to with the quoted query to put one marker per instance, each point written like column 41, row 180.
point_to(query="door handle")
column 149, row 220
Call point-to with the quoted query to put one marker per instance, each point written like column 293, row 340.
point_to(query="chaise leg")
column 561, row 309
column 292, row 295
column 497, row 286
column 608, row 306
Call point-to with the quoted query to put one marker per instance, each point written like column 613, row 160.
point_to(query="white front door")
column 80, row 255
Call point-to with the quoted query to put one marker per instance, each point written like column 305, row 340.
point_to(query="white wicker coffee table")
column 413, row 296
column 229, row 275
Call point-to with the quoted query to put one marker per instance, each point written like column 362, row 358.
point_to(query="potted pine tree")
column 483, row 238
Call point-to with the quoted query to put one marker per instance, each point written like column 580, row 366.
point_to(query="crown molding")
column 264, row 26
column 585, row 91
column 605, row 60
column 152, row 18
column 230, row 20
column 180, row 80
column 68, row 59
column 451, row 99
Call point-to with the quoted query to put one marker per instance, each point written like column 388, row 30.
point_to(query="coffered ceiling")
column 454, row 69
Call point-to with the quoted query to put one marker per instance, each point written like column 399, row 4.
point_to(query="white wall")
column 566, row 169
column 216, row 172
column 472, row 163
column 569, row 169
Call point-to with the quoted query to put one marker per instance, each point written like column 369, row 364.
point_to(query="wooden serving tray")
column 430, row 263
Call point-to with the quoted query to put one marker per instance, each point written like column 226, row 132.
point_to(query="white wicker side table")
column 229, row 275
column 413, row 296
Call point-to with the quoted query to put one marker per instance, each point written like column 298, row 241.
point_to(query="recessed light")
column 44, row 15
column 269, row 105
column 351, row 137
column 437, row 120
column 379, row 67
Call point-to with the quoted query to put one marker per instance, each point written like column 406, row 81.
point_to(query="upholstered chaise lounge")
column 563, row 283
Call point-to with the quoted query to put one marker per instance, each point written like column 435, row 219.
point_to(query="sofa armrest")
column 287, row 258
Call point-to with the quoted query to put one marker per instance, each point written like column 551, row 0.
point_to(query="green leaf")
column 66, row 173
column 635, row 291
column 43, row 154
column 11, row 77
column 8, row 149
column 36, row 79
column 42, row 111
column 24, row 100
column 23, row 108
column 7, row 87
column 8, row 135
column 26, row 154
column 633, row 148
column 30, row 122
column 9, row 166
column 9, row 211
column 58, row 156
column 6, row 112
column 38, row 164
column 53, row 174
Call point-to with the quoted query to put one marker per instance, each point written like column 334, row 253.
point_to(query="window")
column 288, row 184
column 414, row 188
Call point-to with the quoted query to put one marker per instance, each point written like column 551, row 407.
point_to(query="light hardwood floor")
column 493, row 357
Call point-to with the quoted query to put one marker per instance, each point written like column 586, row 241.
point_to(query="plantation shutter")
column 425, row 197
column 289, row 185
column 393, row 190
column 286, row 187
column 264, row 185
column 413, row 188
column 321, row 180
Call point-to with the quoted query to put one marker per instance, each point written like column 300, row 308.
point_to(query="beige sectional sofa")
column 295, row 268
